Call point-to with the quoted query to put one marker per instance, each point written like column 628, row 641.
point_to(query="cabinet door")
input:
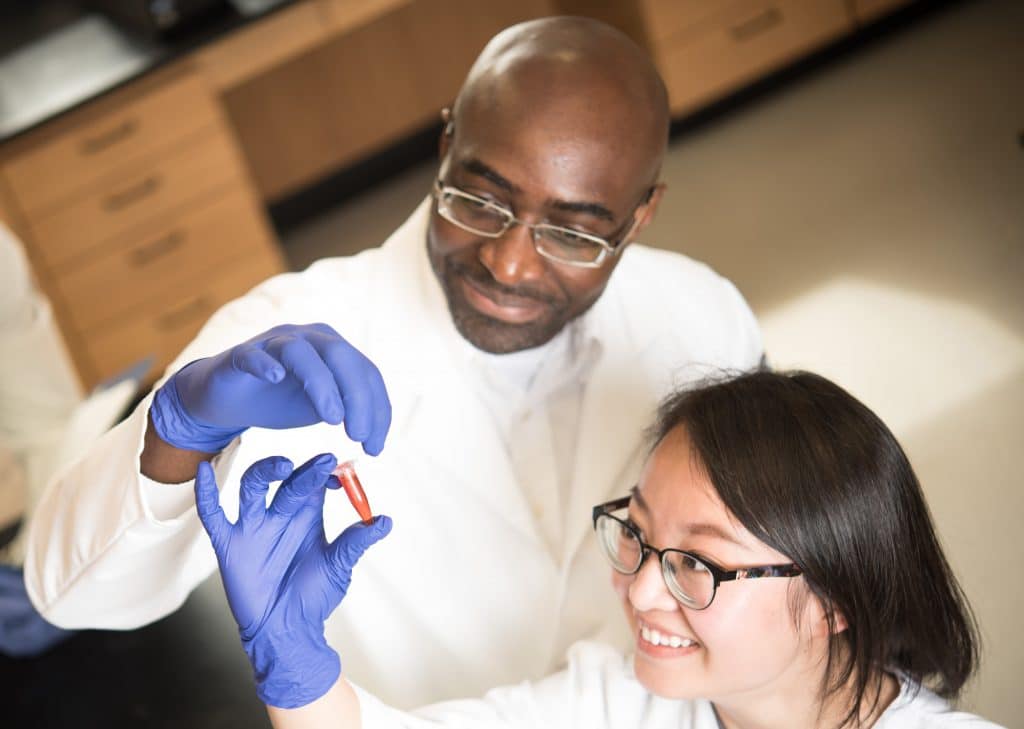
column 330, row 107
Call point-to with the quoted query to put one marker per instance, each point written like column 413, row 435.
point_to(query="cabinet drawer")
column 162, row 329
column 211, row 236
column 111, row 132
column 664, row 18
column 751, row 39
column 112, row 206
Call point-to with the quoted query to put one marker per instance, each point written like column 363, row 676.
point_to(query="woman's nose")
column 511, row 258
column 648, row 590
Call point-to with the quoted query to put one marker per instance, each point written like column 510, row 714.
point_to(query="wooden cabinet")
column 140, row 219
column 70, row 153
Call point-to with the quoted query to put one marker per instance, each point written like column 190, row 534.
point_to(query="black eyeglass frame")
column 718, row 575
column 606, row 244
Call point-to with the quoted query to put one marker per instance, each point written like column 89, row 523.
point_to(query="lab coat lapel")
column 612, row 418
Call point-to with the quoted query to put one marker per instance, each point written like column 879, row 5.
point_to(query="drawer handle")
column 197, row 308
column 156, row 249
column 760, row 23
column 107, row 139
column 132, row 195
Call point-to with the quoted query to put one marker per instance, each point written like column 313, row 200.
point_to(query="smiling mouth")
column 510, row 309
column 657, row 638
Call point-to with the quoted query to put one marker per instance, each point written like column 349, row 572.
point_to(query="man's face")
column 504, row 296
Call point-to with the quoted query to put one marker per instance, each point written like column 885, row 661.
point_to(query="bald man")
column 521, row 373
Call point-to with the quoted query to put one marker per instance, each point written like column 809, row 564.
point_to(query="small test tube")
column 346, row 474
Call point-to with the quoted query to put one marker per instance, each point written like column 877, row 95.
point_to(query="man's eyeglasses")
column 692, row 580
column 491, row 220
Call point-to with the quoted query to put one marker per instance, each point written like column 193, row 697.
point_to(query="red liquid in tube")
column 346, row 474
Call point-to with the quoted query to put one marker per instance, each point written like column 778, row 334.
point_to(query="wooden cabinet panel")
column 450, row 34
column 751, row 39
column 120, row 129
column 183, row 248
column 329, row 108
column 112, row 206
column 365, row 89
column 163, row 329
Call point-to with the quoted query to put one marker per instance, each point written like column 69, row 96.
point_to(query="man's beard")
column 492, row 335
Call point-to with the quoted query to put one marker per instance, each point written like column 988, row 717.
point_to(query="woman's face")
column 746, row 643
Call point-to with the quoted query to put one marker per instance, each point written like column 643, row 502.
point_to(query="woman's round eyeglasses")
column 691, row 579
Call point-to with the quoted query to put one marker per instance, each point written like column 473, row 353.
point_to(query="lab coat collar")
column 612, row 352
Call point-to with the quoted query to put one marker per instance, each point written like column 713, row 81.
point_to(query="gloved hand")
column 287, row 377
column 281, row 575
column 23, row 631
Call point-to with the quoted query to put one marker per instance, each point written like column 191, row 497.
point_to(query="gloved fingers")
column 303, row 361
column 253, row 360
column 381, row 406
column 324, row 329
column 252, row 499
column 305, row 486
column 211, row 515
column 349, row 546
column 350, row 369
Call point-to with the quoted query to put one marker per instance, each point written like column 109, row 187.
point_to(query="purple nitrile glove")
column 281, row 576
column 288, row 377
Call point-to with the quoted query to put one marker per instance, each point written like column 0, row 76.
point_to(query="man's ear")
column 645, row 213
column 446, row 132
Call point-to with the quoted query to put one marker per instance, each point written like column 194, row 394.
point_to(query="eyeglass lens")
column 688, row 579
column 487, row 219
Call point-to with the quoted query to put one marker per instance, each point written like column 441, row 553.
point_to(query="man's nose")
column 648, row 590
column 511, row 258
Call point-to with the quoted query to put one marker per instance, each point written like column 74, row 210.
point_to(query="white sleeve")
column 107, row 547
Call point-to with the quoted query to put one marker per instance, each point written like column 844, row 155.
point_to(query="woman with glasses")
column 776, row 562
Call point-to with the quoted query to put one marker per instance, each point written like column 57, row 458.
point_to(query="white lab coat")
column 599, row 691
column 464, row 594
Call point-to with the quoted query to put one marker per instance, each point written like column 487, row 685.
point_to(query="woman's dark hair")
column 814, row 474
